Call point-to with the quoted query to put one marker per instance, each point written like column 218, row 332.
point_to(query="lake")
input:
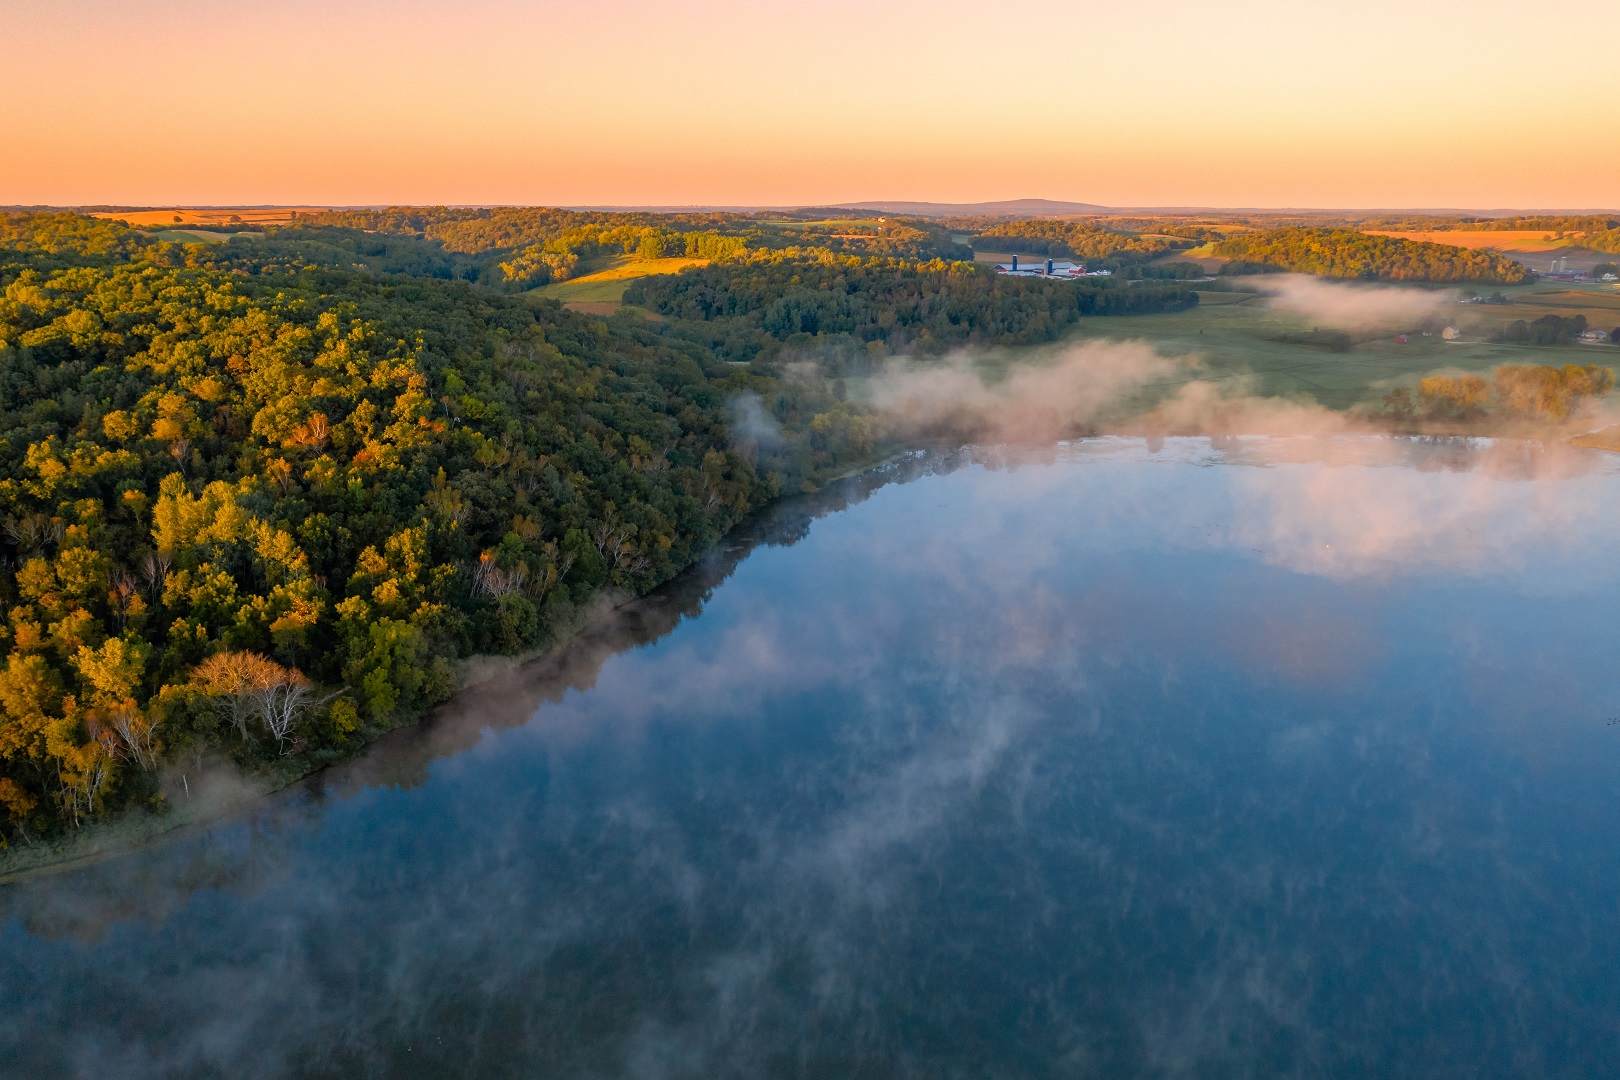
column 1188, row 758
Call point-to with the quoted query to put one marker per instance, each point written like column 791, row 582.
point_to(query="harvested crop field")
column 211, row 215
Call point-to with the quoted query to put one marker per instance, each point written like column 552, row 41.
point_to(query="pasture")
column 602, row 290
column 1230, row 337
column 193, row 236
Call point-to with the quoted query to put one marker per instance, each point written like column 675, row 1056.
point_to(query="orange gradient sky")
column 1423, row 103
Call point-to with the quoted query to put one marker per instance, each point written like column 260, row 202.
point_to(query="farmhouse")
column 1594, row 337
column 1051, row 268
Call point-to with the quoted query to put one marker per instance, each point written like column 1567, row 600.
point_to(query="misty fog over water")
column 1190, row 757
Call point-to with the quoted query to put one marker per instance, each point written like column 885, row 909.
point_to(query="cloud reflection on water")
column 1084, row 761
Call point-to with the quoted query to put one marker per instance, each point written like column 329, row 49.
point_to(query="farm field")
column 1523, row 240
column 1599, row 303
column 602, row 290
column 1230, row 338
column 193, row 236
column 1203, row 255
column 1534, row 248
column 1229, row 334
column 224, row 215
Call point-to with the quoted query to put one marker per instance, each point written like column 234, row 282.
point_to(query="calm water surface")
column 1255, row 758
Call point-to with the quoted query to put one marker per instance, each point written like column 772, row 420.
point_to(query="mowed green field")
column 193, row 236
column 1226, row 337
column 603, row 287
column 1599, row 303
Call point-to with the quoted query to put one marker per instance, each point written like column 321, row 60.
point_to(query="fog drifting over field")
column 1090, row 387
column 1345, row 306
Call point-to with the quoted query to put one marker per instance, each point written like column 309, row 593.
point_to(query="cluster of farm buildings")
column 1061, row 269
column 1558, row 270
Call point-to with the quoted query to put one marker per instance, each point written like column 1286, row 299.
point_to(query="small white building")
column 1594, row 337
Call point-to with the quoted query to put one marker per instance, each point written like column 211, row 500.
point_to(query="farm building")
column 1594, row 337
column 1049, row 268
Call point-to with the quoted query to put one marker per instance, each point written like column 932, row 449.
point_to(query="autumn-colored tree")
column 1463, row 397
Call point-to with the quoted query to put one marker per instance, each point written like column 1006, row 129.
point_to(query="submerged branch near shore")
column 1605, row 439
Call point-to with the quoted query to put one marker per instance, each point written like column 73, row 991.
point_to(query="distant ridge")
column 1034, row 208
column 1011, row 208
column 1008, row 208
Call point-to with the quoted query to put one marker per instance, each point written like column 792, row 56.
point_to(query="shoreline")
column 234, row 790
column 224, row 790
column 596, row 633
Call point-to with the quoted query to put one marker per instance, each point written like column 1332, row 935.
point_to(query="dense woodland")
column 259, row 509
column 522, row 247
column 1081, row 240
column 1346, row 253
column 257, row 496
column 849, row 310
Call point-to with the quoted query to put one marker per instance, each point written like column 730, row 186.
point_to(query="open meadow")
column 601, row 290
column 1234, row 336
column 193, row 236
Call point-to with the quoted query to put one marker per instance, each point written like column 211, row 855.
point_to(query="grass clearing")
column 604, row 288
column 194, row 236
column 1599, row 303
column 1230, row 335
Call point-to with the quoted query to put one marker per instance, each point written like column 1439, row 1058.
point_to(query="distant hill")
column 1347, row 253
column 1009, row 208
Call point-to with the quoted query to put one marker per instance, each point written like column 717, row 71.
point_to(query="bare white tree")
column 154, row 569
column 79, row 794
column 493, row 582
column 283, row 705
column 134, row 733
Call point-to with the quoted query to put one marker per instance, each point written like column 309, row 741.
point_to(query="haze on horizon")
column 1256, row 103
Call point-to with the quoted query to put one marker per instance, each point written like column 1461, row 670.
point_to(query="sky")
column 1246, row 103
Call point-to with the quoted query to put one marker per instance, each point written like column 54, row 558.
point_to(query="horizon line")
column 1056, row 206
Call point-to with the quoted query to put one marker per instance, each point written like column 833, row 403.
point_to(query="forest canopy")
column 256, row 508
column 258, row 495
column 1346, row 253
column 875, row 307
column 1078, row 239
